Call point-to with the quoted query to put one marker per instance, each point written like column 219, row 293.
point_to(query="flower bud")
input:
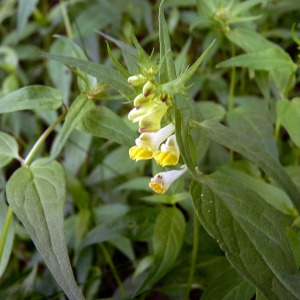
column 137, row 80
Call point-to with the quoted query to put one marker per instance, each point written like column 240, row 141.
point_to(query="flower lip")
column 161, row 182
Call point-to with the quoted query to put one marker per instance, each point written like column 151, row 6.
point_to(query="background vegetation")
column 66, row 168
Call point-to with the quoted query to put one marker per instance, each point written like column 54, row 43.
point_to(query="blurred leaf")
column 211, row 110
column 105, row 74
column 78, row 109
column 245, row 146
column 9, row 238
column 289, row 115
column 167, row 240
column 269, row 59
column 249, row 231
column 167, row 66
column 37, row 195
column 252, row 118
column 31, row 97
column 8, row 149
column 294, row 237
column 103, row 122
column 137, row 225
column 229, row 285
column 25, row 9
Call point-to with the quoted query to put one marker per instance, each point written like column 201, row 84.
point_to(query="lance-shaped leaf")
column 167, row 65
column 256, row 153
column 167, row 240
column 78, row 109
column 102, row 122
column 105, row 74
column 178, row 85
column 31, row 97
column 250, row 232
column 8, row 148
column 37, row 195
column 289, row 115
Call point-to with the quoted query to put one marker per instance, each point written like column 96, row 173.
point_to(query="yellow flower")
column 147, row 143
column 161, row 182
column 168, row 155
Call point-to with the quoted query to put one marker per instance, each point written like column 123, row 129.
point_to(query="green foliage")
column 214, row 88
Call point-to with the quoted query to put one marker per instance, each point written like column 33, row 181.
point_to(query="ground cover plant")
column 150, row 149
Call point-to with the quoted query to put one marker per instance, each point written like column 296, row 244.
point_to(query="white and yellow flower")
column 148, row 143
column 161, row 182
column 168, row 155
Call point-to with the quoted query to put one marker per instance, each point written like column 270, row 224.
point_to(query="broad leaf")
column 167, row 240
column 257, row 154
column 229, row 285
column 37, row 195
column 289, row 115
column 249, row 231
column 105, row 74
column 102, row 122
column 31, row 97
column 78, row 109
column 8, row 148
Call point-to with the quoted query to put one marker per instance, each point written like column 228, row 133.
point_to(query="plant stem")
column 8, row 218
column 194, row 257
column 66, row 20
column 113, row 269
column 42, row 138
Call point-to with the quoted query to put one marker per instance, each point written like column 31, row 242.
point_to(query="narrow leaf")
column 8, row 148
column 102, row 122
column 249, row 231
column 78, row 109
column 183, row 138
column 31, row 97
column 167, row 240
column 108, row 75
column 37, row 195
column 254, row 152
column 167, row 66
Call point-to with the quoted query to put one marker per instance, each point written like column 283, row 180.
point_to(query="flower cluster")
column 150, row 106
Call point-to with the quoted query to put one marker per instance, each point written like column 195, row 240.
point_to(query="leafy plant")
column 200, row 200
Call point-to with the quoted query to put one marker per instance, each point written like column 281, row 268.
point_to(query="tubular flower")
column 161, row 182
column 149, row 142
column 169, row 152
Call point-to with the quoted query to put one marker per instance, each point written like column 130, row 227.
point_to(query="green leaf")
column 269, row 59
column 167, row 66
column 8, row 149
column 31, row 97
column 229, row 285
column 103, row 122
column 167, row 240
column 136, row 225
column 37, row 195
column 254, row 152
column 183, row 138
column 25, row 9
column 289, row 115
column 270, row 193
column 78, row 109
column 9, row 237
column 105, row 74
column 252, row 118
column 249, row 231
